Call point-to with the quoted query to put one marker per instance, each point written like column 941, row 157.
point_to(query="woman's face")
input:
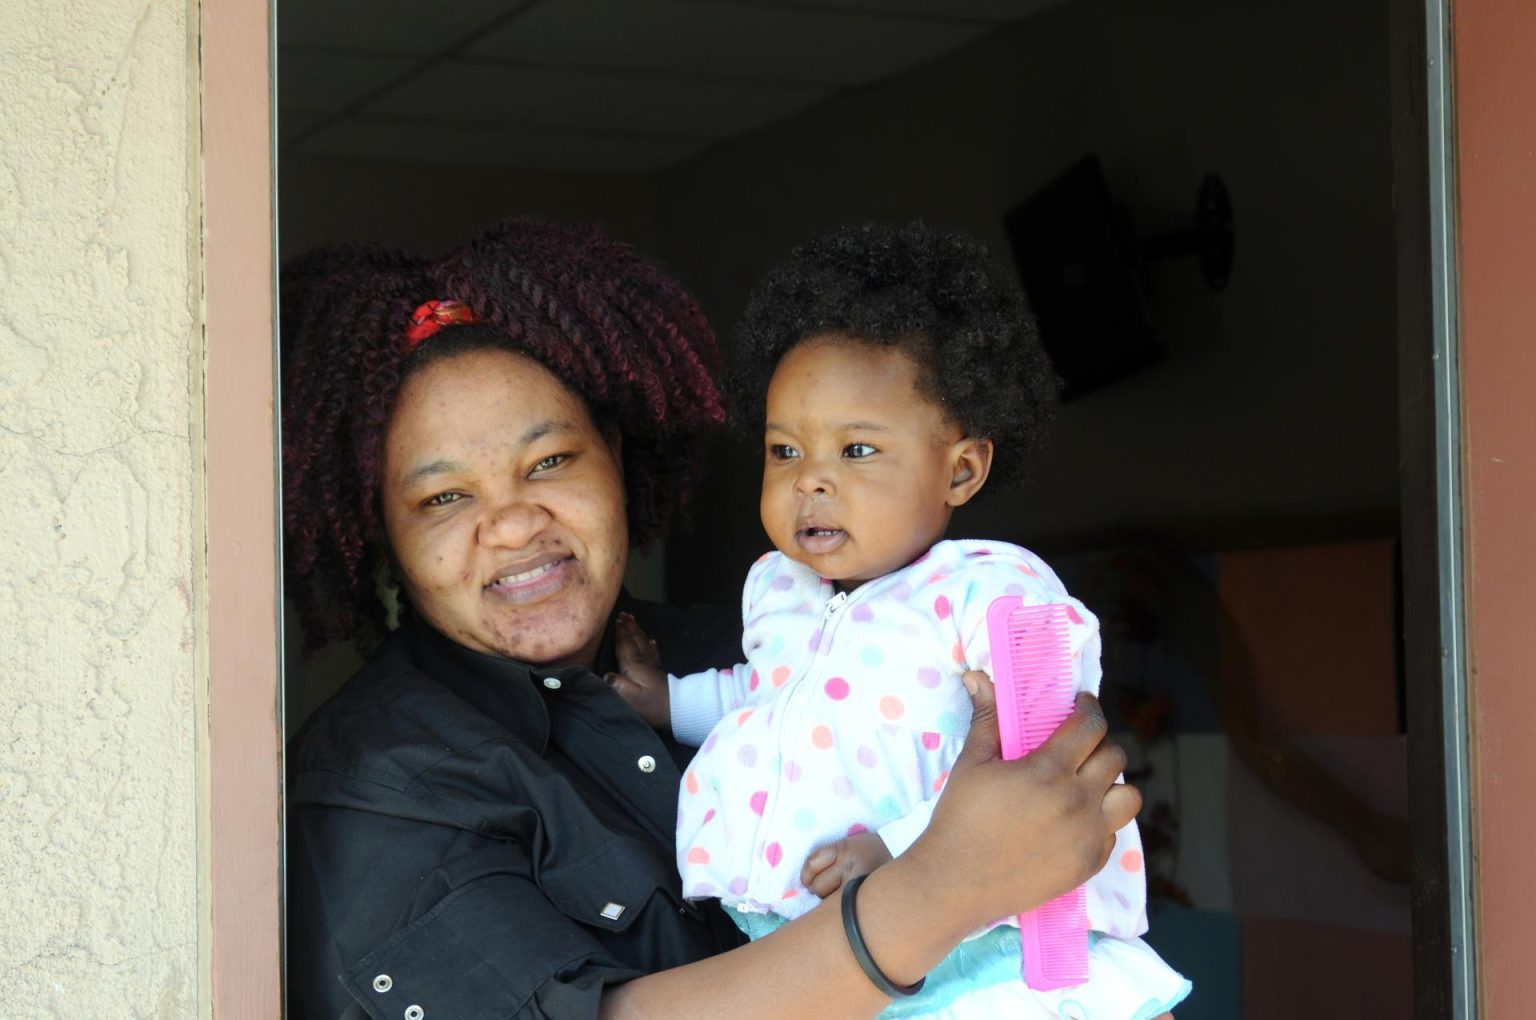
column 504, row 507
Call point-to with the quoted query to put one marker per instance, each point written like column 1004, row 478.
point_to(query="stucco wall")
column 99, row 518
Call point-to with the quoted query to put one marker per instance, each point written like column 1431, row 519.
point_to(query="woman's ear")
column 970, row 462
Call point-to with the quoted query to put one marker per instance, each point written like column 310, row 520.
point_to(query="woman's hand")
column 1009, row 836
column 640, row 681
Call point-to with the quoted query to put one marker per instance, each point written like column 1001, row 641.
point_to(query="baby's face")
column 858, row 465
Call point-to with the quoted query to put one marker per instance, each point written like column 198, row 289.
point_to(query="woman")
column 479, row 826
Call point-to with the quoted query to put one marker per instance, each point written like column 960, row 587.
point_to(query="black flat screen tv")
column 1077, row 259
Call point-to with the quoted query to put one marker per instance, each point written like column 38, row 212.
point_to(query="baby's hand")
column 829, row 867
column 640, row 681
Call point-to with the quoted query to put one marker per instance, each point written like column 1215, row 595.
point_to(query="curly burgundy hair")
column 619, row 332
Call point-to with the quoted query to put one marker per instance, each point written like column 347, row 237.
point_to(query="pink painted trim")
column 243, row 658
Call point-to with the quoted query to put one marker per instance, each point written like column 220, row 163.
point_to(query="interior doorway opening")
column 1232, row 509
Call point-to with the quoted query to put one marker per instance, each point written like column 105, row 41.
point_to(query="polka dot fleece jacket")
column 847, row 717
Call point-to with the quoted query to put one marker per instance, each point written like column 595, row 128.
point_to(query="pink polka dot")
column 1027, row 569
column 773, row 855
column 765, row 557
column 792, row 771
column 892, row 707
column 698, row 855
column 868, row 758
column 937, row 576
column 931, row 740
column 982, row 552
column 958, row 654
column 837, row 688
column 843, row 787
column 1131, row 861
column 862, row 613
column 928, row 677
column 938, row 784
column 1073, row 615
column 741, row 720
column 821, row 736
column 747, row 755
column 691, row 781
column 941, row 607
column 727, row 671
column 856, row 828
column 759, row 801
column 752, row 681
column 708, row 816
column 780, row 675
column 923, row 557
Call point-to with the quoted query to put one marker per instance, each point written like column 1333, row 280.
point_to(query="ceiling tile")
column 635, row 103
column 292, row 124
column 459, row 144
column 767, row 43
column 327, row 80
column 402, row 26
column 993, row 11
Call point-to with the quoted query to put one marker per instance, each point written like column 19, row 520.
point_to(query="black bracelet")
column 861, row 951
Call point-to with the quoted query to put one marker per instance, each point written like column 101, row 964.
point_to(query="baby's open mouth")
column 819, row 539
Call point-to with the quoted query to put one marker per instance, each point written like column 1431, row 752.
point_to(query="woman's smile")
column 530, row 584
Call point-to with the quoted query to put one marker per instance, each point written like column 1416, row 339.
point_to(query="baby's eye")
column 551, row 462
column 443, row 499
column 782, row 451
column 858, row 451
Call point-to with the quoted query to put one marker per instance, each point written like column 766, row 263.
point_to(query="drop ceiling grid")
column 631, row 85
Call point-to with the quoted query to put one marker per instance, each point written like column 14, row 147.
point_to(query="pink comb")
column 1032, row 670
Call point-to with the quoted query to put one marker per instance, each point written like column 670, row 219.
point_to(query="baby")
column 895, row 374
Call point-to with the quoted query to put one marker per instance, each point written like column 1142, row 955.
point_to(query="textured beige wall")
column 100, row 524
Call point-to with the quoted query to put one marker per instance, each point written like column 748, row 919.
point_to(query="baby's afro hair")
column 934, row 294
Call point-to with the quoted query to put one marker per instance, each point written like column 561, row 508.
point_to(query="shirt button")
column 646, row 763
column 383, row 983
column 552, row 682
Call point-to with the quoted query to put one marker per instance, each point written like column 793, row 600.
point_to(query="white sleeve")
column 699, row 700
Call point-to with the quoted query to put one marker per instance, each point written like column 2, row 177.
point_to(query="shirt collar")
column 506, row 690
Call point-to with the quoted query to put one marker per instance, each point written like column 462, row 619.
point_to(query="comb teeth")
column 1056, row 952
column 1032, row 669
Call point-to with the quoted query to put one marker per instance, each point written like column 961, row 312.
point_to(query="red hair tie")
column 433, row 316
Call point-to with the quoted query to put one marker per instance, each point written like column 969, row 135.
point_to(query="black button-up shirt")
column 480, row 839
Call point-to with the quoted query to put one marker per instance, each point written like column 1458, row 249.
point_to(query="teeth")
column 528, row 575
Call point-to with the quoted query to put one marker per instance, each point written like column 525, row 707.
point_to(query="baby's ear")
column 970, row 461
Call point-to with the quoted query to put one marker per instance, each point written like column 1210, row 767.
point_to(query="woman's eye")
column 858, row 451
column 551, row 462
column 443, row 499
column 780, row 451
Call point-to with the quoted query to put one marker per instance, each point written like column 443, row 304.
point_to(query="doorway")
column 1238, row 498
